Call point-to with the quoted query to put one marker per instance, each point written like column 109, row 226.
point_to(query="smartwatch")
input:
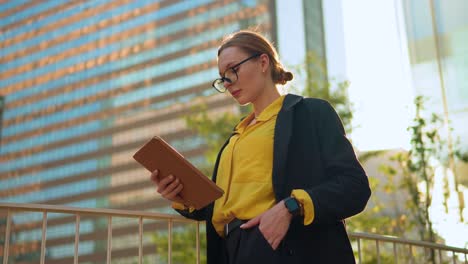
column 293, row 206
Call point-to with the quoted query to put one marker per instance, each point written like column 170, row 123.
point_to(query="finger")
column 170, row 187
column 275, row 244
column 172, row 195
column 154, row 176
column 251, row 223
column 164, row 183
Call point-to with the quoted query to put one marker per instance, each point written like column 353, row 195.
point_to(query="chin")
column 242, row 101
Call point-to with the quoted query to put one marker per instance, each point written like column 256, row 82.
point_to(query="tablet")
column 198, row 191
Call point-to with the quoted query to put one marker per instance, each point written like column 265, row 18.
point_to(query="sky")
column 377, row 66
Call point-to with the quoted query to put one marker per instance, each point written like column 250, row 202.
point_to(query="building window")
column 2, row 103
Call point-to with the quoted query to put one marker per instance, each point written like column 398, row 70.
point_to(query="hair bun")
column 284, row 77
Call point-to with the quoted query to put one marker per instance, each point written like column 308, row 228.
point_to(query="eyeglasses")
column 230, row 75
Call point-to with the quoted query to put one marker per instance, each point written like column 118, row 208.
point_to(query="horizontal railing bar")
column 406, row 241
column 93, row 211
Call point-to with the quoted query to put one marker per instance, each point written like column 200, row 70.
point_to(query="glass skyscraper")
column 84, row 84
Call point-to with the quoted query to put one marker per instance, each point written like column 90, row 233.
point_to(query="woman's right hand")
column 169, row 187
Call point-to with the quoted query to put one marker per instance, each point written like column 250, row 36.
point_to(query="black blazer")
column 311, row 152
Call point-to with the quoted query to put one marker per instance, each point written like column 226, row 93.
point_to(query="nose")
column 227, row 82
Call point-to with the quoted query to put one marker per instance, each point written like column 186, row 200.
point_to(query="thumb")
column 251, row 223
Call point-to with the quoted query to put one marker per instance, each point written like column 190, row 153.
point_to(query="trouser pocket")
column 254, row 248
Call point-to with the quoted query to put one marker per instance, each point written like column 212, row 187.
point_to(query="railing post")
column 440, row 256
column 411, row 253
column 378, row 250
column 425, row 249
column 7, row 238
column 109, row 239
column 140, row 242
column 44, row 233
column 395, row 255
column 359, row 250
column 169, row 242
column 77, row 238
column 198, row 242
column 454, row 257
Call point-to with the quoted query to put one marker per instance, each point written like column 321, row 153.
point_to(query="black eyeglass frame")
column 233, row 68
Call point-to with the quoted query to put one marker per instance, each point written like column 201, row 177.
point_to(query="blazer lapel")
column 283, row 131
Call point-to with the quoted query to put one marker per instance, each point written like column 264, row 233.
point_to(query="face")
column 250, row 74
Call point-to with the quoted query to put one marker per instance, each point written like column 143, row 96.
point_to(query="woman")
column 289, row 174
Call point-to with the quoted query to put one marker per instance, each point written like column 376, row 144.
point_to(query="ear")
column 264, row 62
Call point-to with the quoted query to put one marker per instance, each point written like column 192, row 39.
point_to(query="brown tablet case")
column 198, row 190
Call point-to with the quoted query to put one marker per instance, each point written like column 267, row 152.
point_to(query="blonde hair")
column 253, row 43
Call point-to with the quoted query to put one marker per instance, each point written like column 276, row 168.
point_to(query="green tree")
column 213, row 131
column 417, row 170
column 183, row 245
column 318, row 86
column 383, row 216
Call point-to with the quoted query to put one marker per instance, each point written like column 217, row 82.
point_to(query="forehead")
column 229, row 57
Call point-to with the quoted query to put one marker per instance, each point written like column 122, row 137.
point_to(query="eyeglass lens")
column 230, row 76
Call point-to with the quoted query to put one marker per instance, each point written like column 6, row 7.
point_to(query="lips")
column 235, row 93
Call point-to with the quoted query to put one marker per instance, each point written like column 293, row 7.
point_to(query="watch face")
column 292, row 205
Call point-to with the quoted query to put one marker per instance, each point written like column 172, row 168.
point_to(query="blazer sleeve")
column 345, row 190
column 199, row 215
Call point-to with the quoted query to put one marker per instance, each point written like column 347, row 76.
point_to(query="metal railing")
column 379, row 240
column 109, row 213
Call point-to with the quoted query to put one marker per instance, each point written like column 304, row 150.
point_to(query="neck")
column 269, row 95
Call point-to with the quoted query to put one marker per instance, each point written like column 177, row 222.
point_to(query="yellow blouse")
column 245, row 172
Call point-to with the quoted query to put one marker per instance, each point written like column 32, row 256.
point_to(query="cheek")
column 252, row 80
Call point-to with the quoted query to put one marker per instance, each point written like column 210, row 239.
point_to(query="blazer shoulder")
column 314, row 100
column 317, row 104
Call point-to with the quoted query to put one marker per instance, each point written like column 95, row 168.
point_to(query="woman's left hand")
column 273, row 224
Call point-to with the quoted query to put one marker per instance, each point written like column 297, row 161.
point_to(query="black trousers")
column 245, row 246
